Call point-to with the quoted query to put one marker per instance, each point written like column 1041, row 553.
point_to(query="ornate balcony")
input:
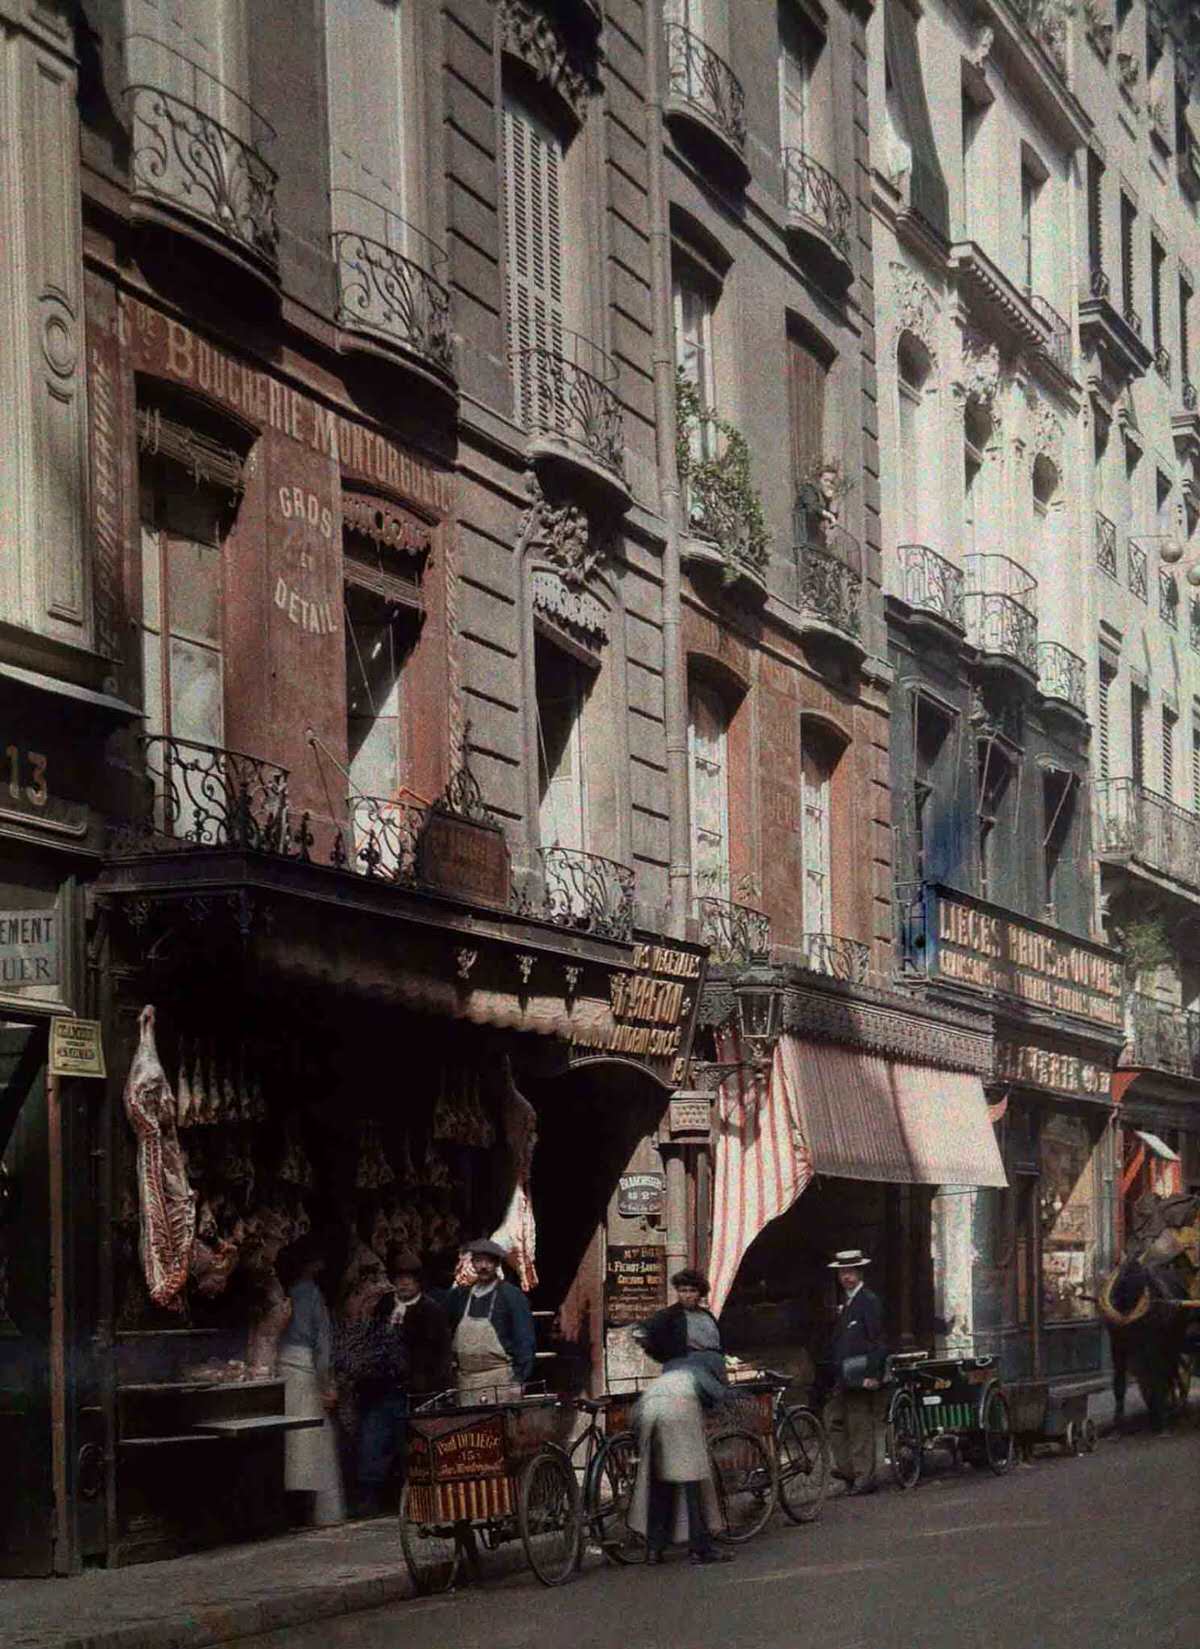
column 197, row 157
column 827, row 588
column 933, row 586
column 385, row 836
column 726, row 530
column 1057, row 344
column 392, row 291
column 820, row 214
column 835, row 957
column 1168, row 598
column 1062, row 678
column 1164, row 1037
column 1139, row 570
column 1107, row 334
column 1001, row 610
column 1140, row 827
column 733, row 932
column 587, row 892
column 706, row 97
column 567, row 402
column 201, row 796
column 1106, row 545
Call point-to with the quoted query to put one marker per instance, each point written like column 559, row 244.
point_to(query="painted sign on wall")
column 29, row 953
column 635, row 1284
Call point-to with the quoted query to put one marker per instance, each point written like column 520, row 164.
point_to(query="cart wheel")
column 904, row 1439
column 803, row 1451
column 1072, row 1444
column 997, row 1431
column 1088, row 1435
column 609, row 1492
column 746, row 1483
column 549, row 1516
column 432, row 1552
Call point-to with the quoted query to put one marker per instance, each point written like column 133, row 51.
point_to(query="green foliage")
column 722, row 501
column 1144, row 946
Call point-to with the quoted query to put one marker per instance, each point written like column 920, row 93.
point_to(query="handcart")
column 945, row 1403
column 490, row 1473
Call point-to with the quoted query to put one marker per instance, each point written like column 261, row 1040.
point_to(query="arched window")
column 913, row 429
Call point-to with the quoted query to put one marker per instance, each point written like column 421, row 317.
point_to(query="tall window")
column 1105, row 678
column 562, row 688
column 1058, row 817
column 708, row 739
column 365, row 63
column 1169, row 720
column 1138, row 700
column 379, row 638
column 931, row 731
column 818, row 758
column 915, row 452
column 977, row 435
column 973, row 111
column 168, row 40
column 1185, row 330
column 1095, row 219
column 182, row 667
column 1195, row 768
column 994, row 773
column 694, row 304
column 534, row 165
column 808, row 384
column 1158, row 258
column 1128, row 228
column 1045, row 491
column 1030, row 185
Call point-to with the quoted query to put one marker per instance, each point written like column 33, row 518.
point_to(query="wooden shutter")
column 363, row 51
column 1106, row 676
column 807, row 377
column 1168, row 753
column 1095, row 219
column 1137, row 734
column 533, row 178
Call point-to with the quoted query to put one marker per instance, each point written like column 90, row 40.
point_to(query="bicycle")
column 608, row 1473
column 802, row 1452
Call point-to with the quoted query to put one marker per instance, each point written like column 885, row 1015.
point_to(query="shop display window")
column 1068, row 1215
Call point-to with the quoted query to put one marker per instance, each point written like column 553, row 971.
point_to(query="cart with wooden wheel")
column 486, row 1474
column 947, row 1403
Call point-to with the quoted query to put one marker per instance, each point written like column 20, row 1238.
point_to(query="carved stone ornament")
column 916, row 308
column 527, row 33
column 568, row 607
column 982, row 49
column 1047, row 434
column 980, row 378
column 560, row 534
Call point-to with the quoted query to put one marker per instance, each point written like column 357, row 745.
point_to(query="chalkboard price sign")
column 636, row 1283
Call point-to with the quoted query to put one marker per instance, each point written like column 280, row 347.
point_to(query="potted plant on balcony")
column 1144, row 948
column 723, row 505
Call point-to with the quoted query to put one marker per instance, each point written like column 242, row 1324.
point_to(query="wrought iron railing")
column 1139, row 570
column 1106, row 545
column 1168, row 598
column 384, row 836
column 391, row 279
column 197, row 146
column 733, row 932
column 932, row 584
column 1058, row 342
column 1187, row 395
column 1162, row 363
column 1062, row 675
column 587, row 892
column 200, row 796
column 717, row 499
column 569, row 390
column 1164, row 1037
column 835, row 957
column 1001, row 608
column 828, row 580
column 703, row 79
column 813, row 193
column 1149, row 829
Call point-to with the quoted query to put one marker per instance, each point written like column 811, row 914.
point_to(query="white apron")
column 484, row 1369
column 310, row 1453
column 671, row 1439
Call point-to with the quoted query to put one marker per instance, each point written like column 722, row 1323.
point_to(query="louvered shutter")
column 1106, row 677
column 209, row 34
column 816, row 845
column 362, row 42
column 710, row 794
column 533, row 175
column 806, row 389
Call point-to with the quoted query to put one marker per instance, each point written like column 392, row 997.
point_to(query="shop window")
column 380, row 635
column 996, row 773
column 563, row 684
column 818, row 761
column 1059, row 808
column 708, row 745
column 1068, row 1219
column 916, row 435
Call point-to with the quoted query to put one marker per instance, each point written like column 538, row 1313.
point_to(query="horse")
column 1148, row 1331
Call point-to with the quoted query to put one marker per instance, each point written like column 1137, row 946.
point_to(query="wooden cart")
column 491, row 1472
column 950, row 1403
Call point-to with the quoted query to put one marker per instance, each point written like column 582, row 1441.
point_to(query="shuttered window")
column 1169, row 718
column 1128, row 223
column 1185, row 341
column 807, row 381
column 708, row 727
column 1196, row 769
column 816, row 785
column 1102, row 730
column 365, row 69
column 1095, row 220
column 1137, row 734
column 533, row 158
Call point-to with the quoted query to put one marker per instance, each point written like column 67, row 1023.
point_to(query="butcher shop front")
column 364, row 1059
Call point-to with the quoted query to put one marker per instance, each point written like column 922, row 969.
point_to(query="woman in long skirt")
column 311, row 1465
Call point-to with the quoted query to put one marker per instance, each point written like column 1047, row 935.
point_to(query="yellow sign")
column 76, row 1048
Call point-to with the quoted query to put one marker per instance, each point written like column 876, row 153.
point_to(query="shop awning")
column 1159, row 1147
column 865, row 1117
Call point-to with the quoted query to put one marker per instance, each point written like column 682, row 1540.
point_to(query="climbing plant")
column 721, row 499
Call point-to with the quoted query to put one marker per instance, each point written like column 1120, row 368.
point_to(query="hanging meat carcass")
column 517, row 1232
column 166, row 1202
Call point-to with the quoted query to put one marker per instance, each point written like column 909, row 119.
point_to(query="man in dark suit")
column 856, row 1353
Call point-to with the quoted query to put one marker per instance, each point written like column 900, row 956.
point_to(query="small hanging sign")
column 76, row 1048
column 640, row 1194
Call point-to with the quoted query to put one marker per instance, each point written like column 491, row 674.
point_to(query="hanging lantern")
column 758, row 1000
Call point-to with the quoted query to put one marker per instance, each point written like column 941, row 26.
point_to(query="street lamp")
column 758, row 1004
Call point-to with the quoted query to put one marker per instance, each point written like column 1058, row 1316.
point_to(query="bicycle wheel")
column 549, row 1516
column 803, row 1452
column 609, row 1492
column 746, row 1484
column 904, row 1439
column 997, row 1431
column 432, row 1552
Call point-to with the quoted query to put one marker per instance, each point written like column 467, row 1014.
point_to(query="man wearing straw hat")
column 857, row 1354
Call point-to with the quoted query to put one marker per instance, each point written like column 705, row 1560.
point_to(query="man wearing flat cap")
column 493, row 1330
column 857, row 1353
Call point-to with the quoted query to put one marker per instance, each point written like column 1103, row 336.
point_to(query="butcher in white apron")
column 487, row 1370
column 484, row 1369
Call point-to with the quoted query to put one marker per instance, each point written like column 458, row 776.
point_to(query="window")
column 808, row 382
column 994, row 769
column 1169, row 720
column 1195, row 768
column 977, row 438
column 708, row 740
column 365, row 66
column 1138, row 699
column 1029, row 192
column 1185, row 325
column 1106, row 676
column 931, row 730
column 533, row 160
column 168, row 40
column 915, row 368
column 1058, row 816
column 694, row 306
column 379, row 638
column 914, row 148
column 1045, row 492
column 974, row 108
column 1095, row 219
column 818, row 759
column 562, row 685
column 802, row 110
column 1128, row 227
column 182, row 667
column 1158, row 258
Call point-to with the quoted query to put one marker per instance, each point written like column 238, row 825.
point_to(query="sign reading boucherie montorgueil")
column 986, row 949
column 635, row 1284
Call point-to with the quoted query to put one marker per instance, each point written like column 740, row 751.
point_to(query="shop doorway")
column 27, row 1499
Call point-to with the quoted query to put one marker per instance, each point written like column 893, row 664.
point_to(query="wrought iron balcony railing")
column 1164, row 1037
column 587, row 892
column 932, row 584
column 1139, row 570
column 1058, row 342
column 197, row 148
column 702, row 79
column 828, row 579
column 391, row 280
column 1168, row 598
column 1150, row 830
column 733, row 932
column 568, row 390
column 1001, row 609
column 1106, row 545
column 384, row 836
column 813, row 194
column 1062, row 675
column 836, row 957
column 200, row 796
